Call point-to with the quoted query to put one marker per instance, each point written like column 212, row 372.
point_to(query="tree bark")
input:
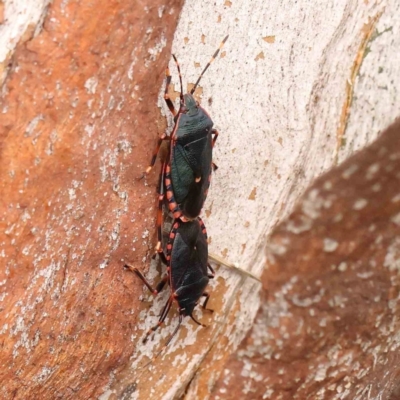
column 78, row 123
column 297, row 89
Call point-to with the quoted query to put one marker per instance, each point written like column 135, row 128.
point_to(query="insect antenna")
column 180, row 79
column 209, row 63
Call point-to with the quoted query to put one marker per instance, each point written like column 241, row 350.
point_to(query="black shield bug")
column 188, row 271
column 186, row 172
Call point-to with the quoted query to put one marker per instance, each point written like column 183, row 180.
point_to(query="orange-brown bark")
column 77, row 127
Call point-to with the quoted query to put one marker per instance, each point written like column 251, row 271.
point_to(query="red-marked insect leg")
column 169, row 102
column 202, row 226
column 164, row 314
column 197, row 322
column 207, row 296
column 161, row 284
column 167, row 342
column 163, row 257
column 155, row 153
column 158, row 288
column 215, row 133
column 161, row 190
column 212, row 275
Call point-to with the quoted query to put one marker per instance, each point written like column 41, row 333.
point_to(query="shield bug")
column 186, row 173
column 188, row 271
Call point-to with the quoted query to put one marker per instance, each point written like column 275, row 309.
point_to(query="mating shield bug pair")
column 184, row 180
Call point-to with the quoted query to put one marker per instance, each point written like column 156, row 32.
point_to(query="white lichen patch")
column 43, row 374
column 91, row 85
column 396, row 219
column 72, row 194
column 107, row 394
column 89, row 129
column 359, row 204
column 130, row 72
column 394, row 156
column 372, row 170
column 328, row 185
column 321, row 373
column 31, row 128
column 350, row 171
column 338, row 217
column 279, row 247
column 155, row 51
column 365, row 275
column 342, row 266
column 161, row 11
column 302, row 224
column 377, row 187
column 307, row 301
column 312, row 204
column 396, row 198
column 330, row 245
column 392, row 258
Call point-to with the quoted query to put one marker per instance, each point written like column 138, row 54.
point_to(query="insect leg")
column 163, row 257
column 164, row 314
column 202, row 226
column 215, row 133
column 169, row 102
column 161, row 186
column 167, row 342
column 155, row 153
column 158, row 288
column 197, row 322
column 207, row 296
column 212, row 275
column 161, row 284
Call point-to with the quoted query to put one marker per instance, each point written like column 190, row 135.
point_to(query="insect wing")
column 189, row 255
column 191, row 157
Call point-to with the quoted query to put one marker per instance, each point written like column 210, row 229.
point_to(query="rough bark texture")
column 78, row 123
column 328, row 326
